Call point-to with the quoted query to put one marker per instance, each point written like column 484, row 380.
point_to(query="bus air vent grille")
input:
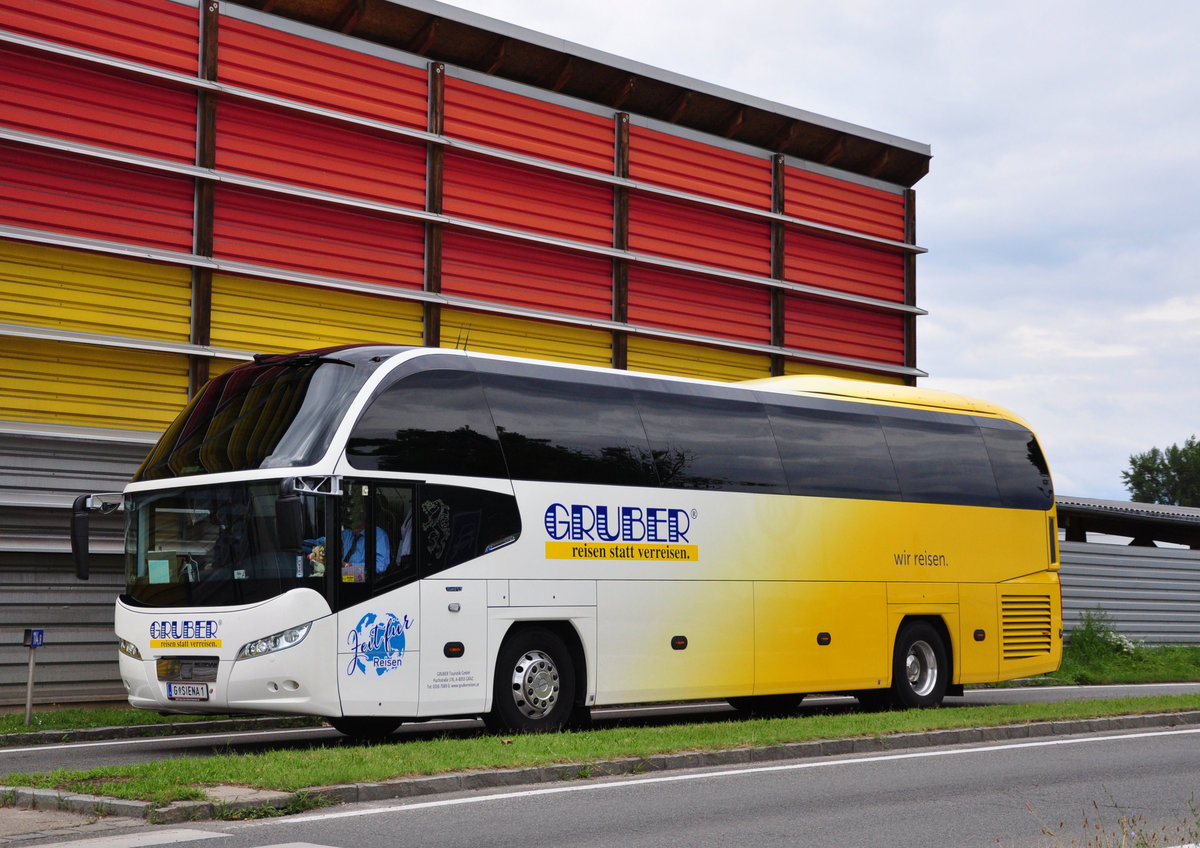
column 1025, row 623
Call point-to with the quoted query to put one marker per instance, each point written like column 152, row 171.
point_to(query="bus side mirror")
column 79, row 535
column 289, row 517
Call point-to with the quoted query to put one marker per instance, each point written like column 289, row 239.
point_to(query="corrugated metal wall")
column 186, row 184
column 1151, row 594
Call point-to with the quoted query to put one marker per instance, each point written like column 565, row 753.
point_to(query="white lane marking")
column 724, row 773
column 143, row 740
column 139, row 840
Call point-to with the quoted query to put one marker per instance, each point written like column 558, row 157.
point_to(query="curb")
column 229, row 801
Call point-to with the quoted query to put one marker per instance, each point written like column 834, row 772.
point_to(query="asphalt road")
column 1053, row 791
column 43, row 757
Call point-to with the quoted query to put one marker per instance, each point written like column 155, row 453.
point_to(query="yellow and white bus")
column 375, row 533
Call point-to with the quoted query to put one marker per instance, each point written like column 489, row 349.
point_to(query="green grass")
column 1096, row 654
column 297, row 770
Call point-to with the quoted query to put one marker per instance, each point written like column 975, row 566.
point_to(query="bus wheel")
column 920, row 670
column 364, row 727
column 535, row 684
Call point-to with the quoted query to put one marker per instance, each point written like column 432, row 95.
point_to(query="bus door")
column 378, row 600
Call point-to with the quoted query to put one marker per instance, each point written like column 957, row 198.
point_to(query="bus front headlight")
column 275, row 642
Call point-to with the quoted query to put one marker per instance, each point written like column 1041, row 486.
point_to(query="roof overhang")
column 1144, row 523
column 444, row 33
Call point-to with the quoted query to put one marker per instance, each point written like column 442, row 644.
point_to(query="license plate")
column 187, row 691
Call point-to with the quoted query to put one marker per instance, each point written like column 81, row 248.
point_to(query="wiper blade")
column 305, row 360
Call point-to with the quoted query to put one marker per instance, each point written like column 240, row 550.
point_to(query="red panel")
column 77, row 102
column 317, row 238
column 843, row 329
column 526, row 199
column 301, row 150
column 522, row 274
column 840, row 266
column 152, row 32
column 309, row 71
column 677, row 230
column 526, row 125
column 697, row 168
column 693, row 304
column 844, row 204
column 63, row 194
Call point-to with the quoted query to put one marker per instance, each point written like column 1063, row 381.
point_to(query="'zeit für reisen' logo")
column 586, row 531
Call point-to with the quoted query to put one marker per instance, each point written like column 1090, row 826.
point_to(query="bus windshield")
column 213, row 546
column 276, row 412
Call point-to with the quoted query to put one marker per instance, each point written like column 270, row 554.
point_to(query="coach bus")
column 376, row 534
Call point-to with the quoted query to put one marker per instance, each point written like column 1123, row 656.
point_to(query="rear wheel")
column 535, row 684
column 364, row 727
column 920, row 668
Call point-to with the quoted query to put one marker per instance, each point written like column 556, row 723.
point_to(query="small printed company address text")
column 622, row 551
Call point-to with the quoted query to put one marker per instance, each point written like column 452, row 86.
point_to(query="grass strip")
column 297, row 770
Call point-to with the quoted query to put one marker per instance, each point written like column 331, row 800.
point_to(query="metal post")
column 29, row 690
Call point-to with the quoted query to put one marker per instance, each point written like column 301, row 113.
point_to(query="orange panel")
column 317, row 238
column 526, row 125
column 56, row 97
column 677, row 230
column 698, row 168
column 309, row 71
column 841, row 266
column 152, row 32
column 843, row 329
column 840, row 203
column 521, row 198
column 64, row 194
column 693, row 304
column 307, row 151
column 523, row 274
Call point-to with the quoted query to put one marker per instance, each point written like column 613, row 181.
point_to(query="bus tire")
column 364, row 727
column 535, row 684
column 920, row 666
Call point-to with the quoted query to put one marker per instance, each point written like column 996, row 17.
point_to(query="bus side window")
column 459, row 524
column 394, row 513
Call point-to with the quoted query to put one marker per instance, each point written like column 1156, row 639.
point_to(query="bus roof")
column 885, row 393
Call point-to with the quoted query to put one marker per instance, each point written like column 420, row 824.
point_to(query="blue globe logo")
column 378, row 643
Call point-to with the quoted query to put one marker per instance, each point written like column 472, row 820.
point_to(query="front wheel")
column 920, row 667
column 535, row 684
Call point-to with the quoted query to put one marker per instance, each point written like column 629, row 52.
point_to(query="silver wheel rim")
column 921, row 667
column 535, row 684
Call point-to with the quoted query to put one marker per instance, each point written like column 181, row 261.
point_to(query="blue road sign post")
column 34, row 638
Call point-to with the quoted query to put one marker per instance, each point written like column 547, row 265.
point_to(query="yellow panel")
column 793, row 367
column 69, row 290
column 688, row 360
column 59, row 383
column 272, row 317
column 788, row 618
column 486, row 333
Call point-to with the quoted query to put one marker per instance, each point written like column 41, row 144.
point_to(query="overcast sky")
column 1062, row 208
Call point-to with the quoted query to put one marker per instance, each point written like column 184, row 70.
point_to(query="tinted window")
column 456, row 525
column 569, row 430
column 271, row 413
column 1020, row 469
column 430, row 422
column 710, row 442
column 940, row 462
column 834, row 454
